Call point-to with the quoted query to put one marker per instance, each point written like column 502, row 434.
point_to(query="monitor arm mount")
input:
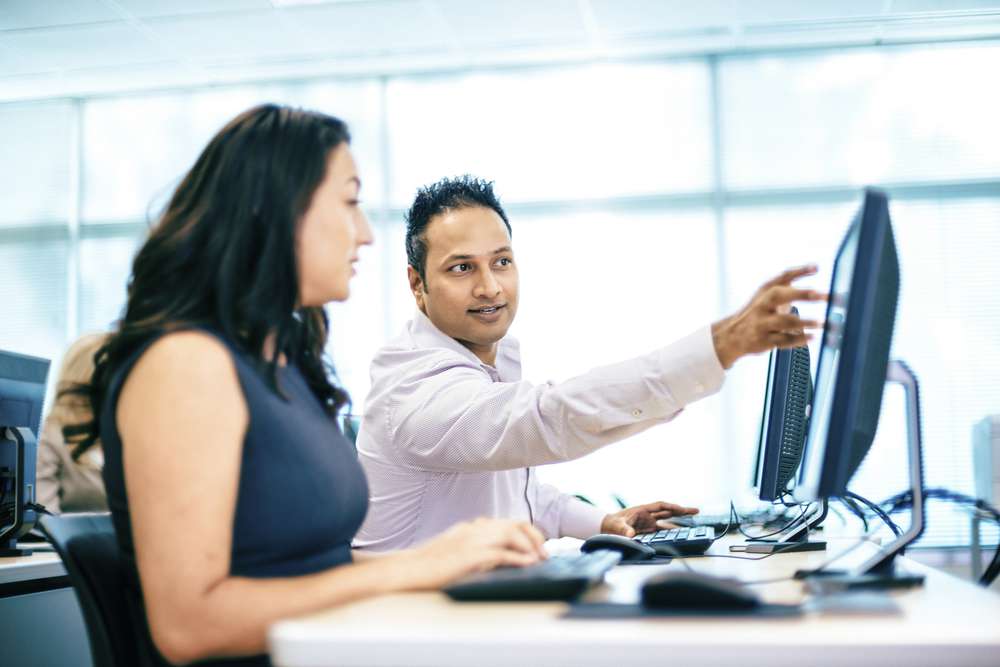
column 879, row 570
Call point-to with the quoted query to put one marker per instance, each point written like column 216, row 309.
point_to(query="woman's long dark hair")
column 222, row 256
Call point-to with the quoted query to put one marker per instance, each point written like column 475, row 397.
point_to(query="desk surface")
column 39, row 565
column 946, row 622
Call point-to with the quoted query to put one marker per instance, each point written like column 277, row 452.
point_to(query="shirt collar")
column 426, row 334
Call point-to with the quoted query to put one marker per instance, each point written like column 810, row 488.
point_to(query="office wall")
column 647, row 199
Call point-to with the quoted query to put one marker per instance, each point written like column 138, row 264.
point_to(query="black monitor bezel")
column 872, row 225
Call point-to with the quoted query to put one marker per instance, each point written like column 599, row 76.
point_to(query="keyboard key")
column 682, row 542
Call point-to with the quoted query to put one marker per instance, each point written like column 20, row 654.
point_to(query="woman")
column 69, row 480
column 227, row 479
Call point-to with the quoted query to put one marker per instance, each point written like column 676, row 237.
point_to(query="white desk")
column 39, row 565
column 40, row 619
column 946, row 623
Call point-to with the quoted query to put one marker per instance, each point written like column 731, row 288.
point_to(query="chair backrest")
column 89, row 551
column 352, row 424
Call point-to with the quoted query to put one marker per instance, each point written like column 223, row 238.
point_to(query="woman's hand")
column 473, row 546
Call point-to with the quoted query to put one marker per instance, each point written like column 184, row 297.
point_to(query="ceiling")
column 53, row 48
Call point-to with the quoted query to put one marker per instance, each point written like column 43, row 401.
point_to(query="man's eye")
column 460, row 268
column 504, row 261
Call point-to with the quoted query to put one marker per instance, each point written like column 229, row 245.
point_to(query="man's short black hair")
column 437, row 198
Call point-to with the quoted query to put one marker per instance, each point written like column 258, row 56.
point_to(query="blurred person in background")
column 69, row 477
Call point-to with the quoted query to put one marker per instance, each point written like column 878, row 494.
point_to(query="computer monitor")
column 854, row 354
column 783, row 424
column 850, row 377
column 22, row 393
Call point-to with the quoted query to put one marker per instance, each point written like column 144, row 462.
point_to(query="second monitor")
column 783, row 427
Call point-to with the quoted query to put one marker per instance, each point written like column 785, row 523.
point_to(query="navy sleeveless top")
column 302, row 493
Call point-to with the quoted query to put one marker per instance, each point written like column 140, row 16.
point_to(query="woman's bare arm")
column 182, row 419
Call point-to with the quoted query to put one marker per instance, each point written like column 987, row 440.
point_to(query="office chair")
column 351, row 424
column 89, row 550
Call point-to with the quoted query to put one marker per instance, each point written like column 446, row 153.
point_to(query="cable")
column 732, row 513
column 904, row 500
column 803, row 509
column 992, row 570
column 527, row 480
column 855, row 510
column 878, row 511
column 38, row 507
column 674, row 553
column 729, row 522
column 781, row 500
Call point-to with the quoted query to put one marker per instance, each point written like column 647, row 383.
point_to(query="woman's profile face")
column 331, row 231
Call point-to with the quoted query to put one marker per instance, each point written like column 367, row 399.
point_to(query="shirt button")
column 699, row 387
column 637, row 412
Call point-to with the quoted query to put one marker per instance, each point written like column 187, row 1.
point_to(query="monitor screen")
column 22, row 390
column 762, row 434
column 829, row 356
column 854, row 353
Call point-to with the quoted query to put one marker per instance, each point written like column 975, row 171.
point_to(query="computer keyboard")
column 562, row 577
column 679, row 541
column 720, row 521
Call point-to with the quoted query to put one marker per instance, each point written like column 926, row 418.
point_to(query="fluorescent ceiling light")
column 296, row 3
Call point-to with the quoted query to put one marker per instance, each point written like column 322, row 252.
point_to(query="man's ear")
column 416, row 287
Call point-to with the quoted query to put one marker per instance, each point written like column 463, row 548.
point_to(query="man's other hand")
column 632, row 521
column 766, row 322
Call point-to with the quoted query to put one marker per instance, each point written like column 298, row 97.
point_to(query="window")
column 600, row 281
column 598, row 288
column 357, row 326
column 585, row 132
column 33, row 293
column 105, row 265
column 36, row 170
column 37, row 142
column 862, row 116
column 136, row 149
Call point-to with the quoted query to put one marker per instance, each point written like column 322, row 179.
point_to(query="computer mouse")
column 626, row 546
column 691, row 590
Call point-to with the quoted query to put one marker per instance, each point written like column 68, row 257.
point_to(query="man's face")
column 470, row 291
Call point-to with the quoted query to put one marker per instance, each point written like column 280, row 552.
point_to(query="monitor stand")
column 880, row 571
column 791, row 540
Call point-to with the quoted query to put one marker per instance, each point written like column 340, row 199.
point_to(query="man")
column 451, row 431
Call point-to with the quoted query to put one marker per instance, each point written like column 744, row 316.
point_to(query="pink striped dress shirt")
column 446, row 438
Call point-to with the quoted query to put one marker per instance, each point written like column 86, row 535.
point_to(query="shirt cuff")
column 580, row 519
column 690, row 367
